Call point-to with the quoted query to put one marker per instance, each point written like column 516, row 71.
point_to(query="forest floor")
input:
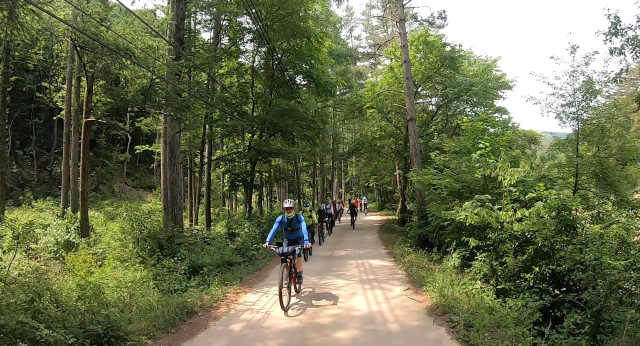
column 354, row 293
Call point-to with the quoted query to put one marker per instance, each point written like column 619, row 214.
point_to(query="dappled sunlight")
column 353, row 293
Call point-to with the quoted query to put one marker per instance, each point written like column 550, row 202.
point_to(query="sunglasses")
column 288, row 208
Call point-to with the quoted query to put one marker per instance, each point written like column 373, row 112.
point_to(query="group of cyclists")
column 298, row 226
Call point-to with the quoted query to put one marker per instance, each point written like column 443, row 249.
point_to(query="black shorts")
column 295, row 241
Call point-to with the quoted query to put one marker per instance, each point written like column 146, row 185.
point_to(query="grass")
column 476, row 316
column 130, row 282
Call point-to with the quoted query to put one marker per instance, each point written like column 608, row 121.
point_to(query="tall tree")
column 66, row 134
column 171, row 160
column 412, row 125
column 4, row 103
column 75, row 137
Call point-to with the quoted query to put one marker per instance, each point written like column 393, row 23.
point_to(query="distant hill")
column 549, row 137
column 552, row 135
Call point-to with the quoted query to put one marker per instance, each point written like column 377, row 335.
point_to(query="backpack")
column 292, row 225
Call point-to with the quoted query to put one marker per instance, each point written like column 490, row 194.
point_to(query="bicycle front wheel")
column 296, row 286
column 305, row 254
column 284, row 287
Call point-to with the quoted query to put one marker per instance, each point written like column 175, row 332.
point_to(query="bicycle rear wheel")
column 284, row 287
column 296, row 286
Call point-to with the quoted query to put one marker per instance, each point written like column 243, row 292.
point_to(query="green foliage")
column 130, row 282
column 471, row 306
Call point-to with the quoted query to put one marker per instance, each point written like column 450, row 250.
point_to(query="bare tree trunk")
column 314, row 182
column 207, row 182
column 261, row 196
column 248, row 191
column 198, row 184
column 171, row 161
column 577, row 165
column 414, row 141
column 343, row 194
column 235, row 201
column 298, row 183
column 270, row 190
column 323, row 179
column 128, row 156
column 75, row 137
column 401, row 212
column 33, row 138
column 54, row 145
column 4, row 106
column 223, row 197
column 66, row 135
column 84, row 163
column 190, row 188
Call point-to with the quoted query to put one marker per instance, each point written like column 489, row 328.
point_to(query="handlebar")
column 275, row 247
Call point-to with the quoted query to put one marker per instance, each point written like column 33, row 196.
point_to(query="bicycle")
column 308, row 252
column 323, row 231
column 288, row 273
column 340, row 215
column 366, row 210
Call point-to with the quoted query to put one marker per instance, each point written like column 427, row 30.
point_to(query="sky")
column 524, row 35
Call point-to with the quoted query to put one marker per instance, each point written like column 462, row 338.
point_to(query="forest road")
column 353, row 294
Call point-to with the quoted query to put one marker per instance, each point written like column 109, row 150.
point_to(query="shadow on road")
column 310, row 299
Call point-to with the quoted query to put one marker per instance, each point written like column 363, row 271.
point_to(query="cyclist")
column 322, row 220
column 339, row 210
column 311, row 218
column 357, row 203
column 295, row 232
column 365, row 204
column 353, row 211
column 331, row 213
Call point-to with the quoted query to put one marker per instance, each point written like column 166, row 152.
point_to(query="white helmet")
column 288, row 203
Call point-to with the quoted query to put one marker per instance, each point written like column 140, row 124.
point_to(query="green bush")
column 129, row 282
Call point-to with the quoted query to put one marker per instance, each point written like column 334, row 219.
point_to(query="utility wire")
column 98, row 41
column 116, row 33
column 185, row 56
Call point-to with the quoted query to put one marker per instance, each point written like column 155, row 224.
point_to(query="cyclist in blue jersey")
column 295, row 232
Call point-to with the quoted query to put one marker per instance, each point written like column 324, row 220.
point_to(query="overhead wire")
column 257, row 21
column 113, row 50
column 186, row 57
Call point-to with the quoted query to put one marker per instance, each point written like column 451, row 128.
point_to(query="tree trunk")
column 84, row 163
column 414, row 141
column 223, row 197
column 248, row 201
column 323, row 178
column 298, row 183
column 401, row 212
column 207, row 181
column 270, row 190
column 261, row 196
column 314, row 182
column 52, row 159
column 75, row 137
column 190, row 188
column 4, row 106
column 33, row 140
column 66, row 134
column 171, row 161
column 128, row 156
column 577, row 165
column 198, row 184
column 235, row 201
column 342, row 168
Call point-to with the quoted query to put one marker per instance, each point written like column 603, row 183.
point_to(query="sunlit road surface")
column 353, row 294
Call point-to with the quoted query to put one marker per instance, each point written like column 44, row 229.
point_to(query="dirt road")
column 353, row 294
